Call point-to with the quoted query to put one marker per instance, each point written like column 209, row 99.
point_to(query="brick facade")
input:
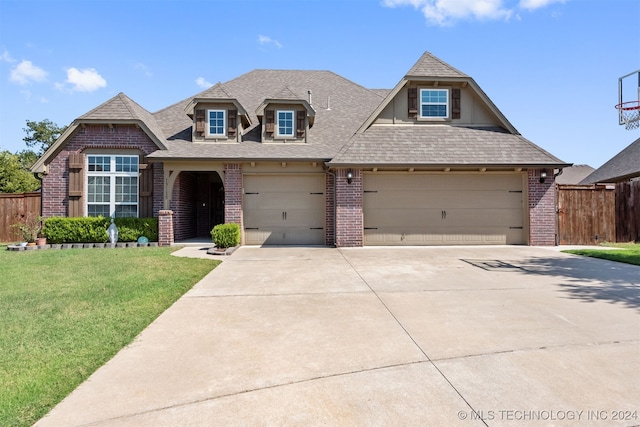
column 349, row 215
column 182, row 205
column 330, row 209
column 165, row 228
column 542, row 209
column 233, row 193
column 55, row 184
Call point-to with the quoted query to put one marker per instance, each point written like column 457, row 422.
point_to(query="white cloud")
column 143, row 68
column 26, row 72
column 86, row 80
column 446, row 12
column 203, row 83
column 265, row 40
column 537, row 4
column 6, row 57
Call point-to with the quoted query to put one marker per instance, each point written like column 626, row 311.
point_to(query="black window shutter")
column 455, row 103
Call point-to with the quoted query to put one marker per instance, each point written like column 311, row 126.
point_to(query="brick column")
column 329, row 231
column 349, row 216
column 233, row 193
column 165, row 227
column 542, row 209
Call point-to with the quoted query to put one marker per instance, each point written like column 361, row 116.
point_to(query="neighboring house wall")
column 349, row 214
column 542, row 210
column 55, row 184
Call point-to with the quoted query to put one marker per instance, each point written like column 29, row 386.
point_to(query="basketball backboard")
column 629, row 100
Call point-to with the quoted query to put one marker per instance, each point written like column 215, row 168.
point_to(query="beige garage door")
column 284, row 209
column 443, row 209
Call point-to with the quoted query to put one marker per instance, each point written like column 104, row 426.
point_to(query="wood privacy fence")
column 592, row 214
column 13, row 207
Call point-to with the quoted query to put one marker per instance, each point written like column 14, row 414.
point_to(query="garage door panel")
column 443, row 209
column 284, row 209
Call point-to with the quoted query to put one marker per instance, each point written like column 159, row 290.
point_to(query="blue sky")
column 550, row 66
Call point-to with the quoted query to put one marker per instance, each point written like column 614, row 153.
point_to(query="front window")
column 285, row 123
column 216, row 122
column 112, row 185
column 434, row 103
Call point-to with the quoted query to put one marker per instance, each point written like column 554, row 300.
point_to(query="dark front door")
column 209, row 203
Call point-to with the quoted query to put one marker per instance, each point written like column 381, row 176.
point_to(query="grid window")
column 434, row 103
column 112, row 185
column 216, row 122
column 285, row 123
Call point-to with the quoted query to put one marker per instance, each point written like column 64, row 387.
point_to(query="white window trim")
column 447, row 104
column 293, row 124
column 112, row 174
column 224, row 125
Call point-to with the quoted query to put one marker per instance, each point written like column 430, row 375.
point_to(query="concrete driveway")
column 382, row 336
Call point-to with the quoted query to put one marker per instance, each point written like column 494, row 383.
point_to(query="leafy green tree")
column 41, row 135
column 27, row 158
column 14, row 177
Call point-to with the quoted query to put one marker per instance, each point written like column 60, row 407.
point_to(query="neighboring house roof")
column 574, row 174
column 442, row 145
column 622, row 166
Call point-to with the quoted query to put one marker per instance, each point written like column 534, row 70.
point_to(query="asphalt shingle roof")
column 441, row 145
column 624, row 165
column 431, row 66
column 350, row 104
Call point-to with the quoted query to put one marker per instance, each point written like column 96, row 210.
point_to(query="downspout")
column 335, row 208
column 39, row 178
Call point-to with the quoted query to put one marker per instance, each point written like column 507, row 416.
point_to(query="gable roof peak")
column 431, row 66
column 287, row 93
column 216, row 91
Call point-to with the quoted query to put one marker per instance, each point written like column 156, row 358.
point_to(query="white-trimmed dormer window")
column 286, row 125
column 216, row 123
column 434, row 103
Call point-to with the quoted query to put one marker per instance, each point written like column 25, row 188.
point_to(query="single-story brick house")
column 309, row 157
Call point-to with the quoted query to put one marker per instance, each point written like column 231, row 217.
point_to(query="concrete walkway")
column 382, row 336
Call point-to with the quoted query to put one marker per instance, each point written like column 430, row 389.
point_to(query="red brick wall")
column 542, row 209
column 182, row 205
column 233, row 193
column 329, row 228
column 55, row 184
column 349, row 217
column 165, row 228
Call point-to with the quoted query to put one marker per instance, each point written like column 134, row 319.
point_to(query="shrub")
column 226, row 235
column 94, row 229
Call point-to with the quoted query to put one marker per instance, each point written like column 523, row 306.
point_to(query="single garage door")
column 284, row 209
column 443, row 209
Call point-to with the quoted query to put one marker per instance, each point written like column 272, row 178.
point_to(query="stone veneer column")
column 233, row 193
column 542, row 209
column 349, row 216
column 165, row 227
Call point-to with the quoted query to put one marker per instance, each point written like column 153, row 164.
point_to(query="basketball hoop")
column 629, row 114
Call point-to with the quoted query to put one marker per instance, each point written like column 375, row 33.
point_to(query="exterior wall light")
column 543, row 175
column 349, row 176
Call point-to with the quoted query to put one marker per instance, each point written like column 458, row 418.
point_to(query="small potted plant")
column 29, row 228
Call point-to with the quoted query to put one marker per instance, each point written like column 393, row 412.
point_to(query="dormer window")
column 286, row 125
column 434, row 103
column 216, row 122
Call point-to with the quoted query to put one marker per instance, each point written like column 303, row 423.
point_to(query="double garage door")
column 443, row 209
column 284, row 209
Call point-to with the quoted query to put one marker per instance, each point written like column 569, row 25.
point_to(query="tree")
column 14, row 178
column 41, row 135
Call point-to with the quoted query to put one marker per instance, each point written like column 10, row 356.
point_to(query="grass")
column 629, row 253
column 65, row 313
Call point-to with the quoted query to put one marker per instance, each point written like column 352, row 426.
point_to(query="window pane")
column 98, row 210
column 126, row 189
column 99, row 163
column 285, row 123
column 126, row 164
column 98, row 189
column 126, row 211
column 216, row 122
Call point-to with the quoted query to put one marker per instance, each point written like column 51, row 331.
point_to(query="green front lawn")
column 64, row 313
column 628, row 253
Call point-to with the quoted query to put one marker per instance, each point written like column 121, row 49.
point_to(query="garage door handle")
column 444, row 214
column 284, row 216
